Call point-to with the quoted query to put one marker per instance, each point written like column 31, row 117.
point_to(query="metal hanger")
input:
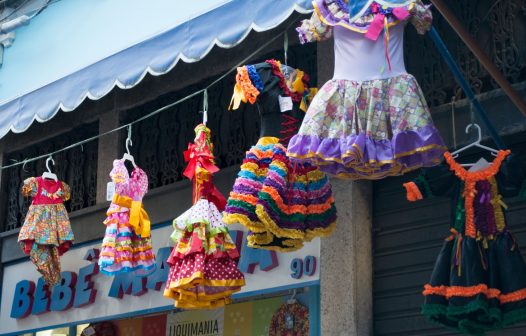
column 127, row 156
column 48, row 174
column 476, row 143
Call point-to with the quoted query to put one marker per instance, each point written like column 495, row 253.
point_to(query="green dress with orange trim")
column 479, row 279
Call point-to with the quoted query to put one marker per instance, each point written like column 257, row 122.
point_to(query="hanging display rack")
column 439, row 43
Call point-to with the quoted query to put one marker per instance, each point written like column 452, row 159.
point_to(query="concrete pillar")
column 346, row 256
column 346, row 264
column 108, row 151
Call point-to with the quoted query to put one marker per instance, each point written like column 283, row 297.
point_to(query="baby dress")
column 46, row 233
column 127, row 243
column 281, row 203
column 479, row 279
column 203, row 263
column 371, row 120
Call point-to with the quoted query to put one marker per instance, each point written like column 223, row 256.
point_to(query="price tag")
column 285, row 104
column 110, row 191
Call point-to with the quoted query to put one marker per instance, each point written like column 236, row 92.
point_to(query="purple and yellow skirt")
column 368, row 129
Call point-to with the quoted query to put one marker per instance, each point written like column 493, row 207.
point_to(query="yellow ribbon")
column 139, row 219
column 237, row 97
column 297, row 85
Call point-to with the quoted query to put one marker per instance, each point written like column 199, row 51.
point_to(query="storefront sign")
column 87, row 295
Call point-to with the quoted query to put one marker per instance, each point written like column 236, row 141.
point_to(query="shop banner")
column 86, row 295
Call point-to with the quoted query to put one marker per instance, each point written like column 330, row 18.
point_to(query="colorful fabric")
column 479, row 279
column 291, row 319
column 47, row 261
column 203, row 263
column 370, row 20
column 368, row 130
column 46, row 232
column 127, row 245
column 281, row 203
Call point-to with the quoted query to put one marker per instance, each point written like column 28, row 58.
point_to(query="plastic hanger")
column 476, row 143
column 292, row 299
column 127, row 156
column 49, row 175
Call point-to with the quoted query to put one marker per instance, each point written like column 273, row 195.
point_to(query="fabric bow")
column 139, row 219
column 194, row 156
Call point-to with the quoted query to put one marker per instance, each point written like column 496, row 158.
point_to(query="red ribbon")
column 195, row 157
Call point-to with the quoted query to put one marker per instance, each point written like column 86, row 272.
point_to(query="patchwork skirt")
column 45, row 235
column 368, row 129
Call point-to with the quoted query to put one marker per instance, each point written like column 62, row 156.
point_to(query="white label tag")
column 285, row 104
column 110, row 191
column 205, row 117
column 89, row 330
column 479, row 165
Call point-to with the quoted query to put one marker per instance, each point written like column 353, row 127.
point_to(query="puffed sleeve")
column 314, row 30
column 511, row 178
column 30, row 187
column 433, row 181
column 66, row 192
column 421, row 17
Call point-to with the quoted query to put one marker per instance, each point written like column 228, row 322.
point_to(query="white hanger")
column 127, row 156
column 476, row 143
column 49, row 174
column 292, row 299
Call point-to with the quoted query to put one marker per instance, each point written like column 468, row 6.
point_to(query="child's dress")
column 127, row 243
column 203, row 263
column 282, row 204
column 371, row 120
column 479, row 279
column 46, row 233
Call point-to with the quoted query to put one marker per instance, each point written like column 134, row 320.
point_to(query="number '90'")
column 300, row 267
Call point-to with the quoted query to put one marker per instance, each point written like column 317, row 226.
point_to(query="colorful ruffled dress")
column 281, row 203
column 203, row 263
column 479, row 279
column 371, row 120
column 46, row 233
column 127, row 244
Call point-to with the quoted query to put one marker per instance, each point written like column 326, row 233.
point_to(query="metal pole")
column 439, row 43
column 484, row 60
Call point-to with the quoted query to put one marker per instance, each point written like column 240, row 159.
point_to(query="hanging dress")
column 281, row 203
column 127, row 245
column 371, row 120
column 203, row 263
column 46, row 233
column 479, row 279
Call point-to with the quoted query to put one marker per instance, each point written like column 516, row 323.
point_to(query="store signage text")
column 78, row 289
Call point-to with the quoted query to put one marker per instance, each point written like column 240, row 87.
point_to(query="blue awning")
column 76, row 48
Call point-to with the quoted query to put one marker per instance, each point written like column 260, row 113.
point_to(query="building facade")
column 373, row 267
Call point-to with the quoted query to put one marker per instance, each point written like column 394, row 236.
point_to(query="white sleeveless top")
column 360, row 59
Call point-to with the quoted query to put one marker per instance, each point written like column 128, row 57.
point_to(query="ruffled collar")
column 249, row 85
column 368, row 16
column 479, row 175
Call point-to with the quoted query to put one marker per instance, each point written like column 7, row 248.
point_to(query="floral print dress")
column 46, row 233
